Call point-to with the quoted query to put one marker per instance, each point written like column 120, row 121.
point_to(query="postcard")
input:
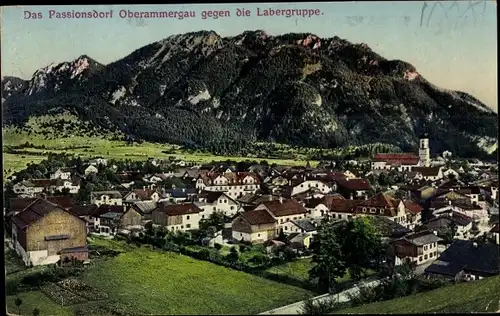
column 258, row 158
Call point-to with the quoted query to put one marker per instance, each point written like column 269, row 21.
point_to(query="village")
column 439, row 214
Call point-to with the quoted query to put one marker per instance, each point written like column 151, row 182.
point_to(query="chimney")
column 366, row 196
column 435, row 233
column 474, row 244
column 144, row 187
column 351, row 197
column 281, row 199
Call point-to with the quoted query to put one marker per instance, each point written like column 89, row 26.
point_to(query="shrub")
column 243, row 248
column 217, row 246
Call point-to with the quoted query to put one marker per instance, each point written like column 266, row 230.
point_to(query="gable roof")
column 388, row 227
column 84, row 210
column 344, row 206
column 467, row 255
column 326, row 200
column 34, row 212
column 284, row 207
column 19, row 204
column 427, row 171
column 144, row 207
column 143, row 194
column 178, row 209
column 421, row 238
column 412, row 207
column 256, row 217
column 111, row 194
column 304, row 224
column 397, row 158
column 355, row 184
column 212, row 196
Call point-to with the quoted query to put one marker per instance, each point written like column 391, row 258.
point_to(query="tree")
column 449, row 234
column 327, row 256
column 18, row 302
column 361, row 245
column 36, row 312
column 233, row 254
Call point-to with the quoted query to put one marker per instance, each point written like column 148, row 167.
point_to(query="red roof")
column 284, row 207
column 19, row 204
column 398, row 158
column 178, row 209
column 256, row 217
column 412, row 207
column 355, row 184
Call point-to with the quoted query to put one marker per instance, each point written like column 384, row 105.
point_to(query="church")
column 404, row 161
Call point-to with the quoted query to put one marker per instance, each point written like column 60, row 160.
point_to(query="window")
column 425, row 257
column 258, row 235
column 435, row 253
column 419, row 258
column 431, row 255
column 425, row 247
column 232, row 207
column 188, row 225
column 214, row 208
column 364, row 209
column 187, row 217
column 182, row 226
column 202, row 216
column 294, row 218
column 286, row 227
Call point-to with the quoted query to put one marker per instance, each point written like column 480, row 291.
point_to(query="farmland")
column 168, row 283
column 477, row 296
column 34, row 145
column 158, row 283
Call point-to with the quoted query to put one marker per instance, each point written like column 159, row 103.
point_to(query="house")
column 429, row 173
column 466, row 260
column 350, row 188
column 283, row 210
column 383, row 205
column 86, row 213
column 388, row 229
column 145, row 208
column 271, row 245
column 299, row 241
column 218, row 202
column 446, row 203
column 419, row 248
column 398, row 161
column 308, row 184
column 185, row 216
column 255, row 226
column 62, row 173
column 442, row 223
column 98, row 161
column 106, row 198
column 413, row 213
column 142, row 195
column 42, row 230
column 92, row 169
column 235, row 184
column 495, row 233
column 33, row 187
column 450, row 173
column 343, row 209
column 106, row 220
column 300, row 226
column 19, row 204
column 319, row 207
column 131, row 218
column 29, row 188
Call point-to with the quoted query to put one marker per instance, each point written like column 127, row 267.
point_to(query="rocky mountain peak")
column 295, row 88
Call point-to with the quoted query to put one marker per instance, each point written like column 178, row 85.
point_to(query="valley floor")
column 168, row 283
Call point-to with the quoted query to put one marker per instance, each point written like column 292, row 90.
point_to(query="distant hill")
column 201, row 90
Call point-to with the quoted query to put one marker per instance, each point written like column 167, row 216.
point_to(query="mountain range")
column 202, row 90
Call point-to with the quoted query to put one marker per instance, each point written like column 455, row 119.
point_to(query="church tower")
column 424, row 152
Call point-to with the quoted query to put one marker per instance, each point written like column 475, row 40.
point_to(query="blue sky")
column 454, row 48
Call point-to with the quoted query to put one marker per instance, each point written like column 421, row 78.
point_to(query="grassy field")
column 167, row 283
column 299, row 269
column 478, row 296
column 99, row 146
column 36, row 299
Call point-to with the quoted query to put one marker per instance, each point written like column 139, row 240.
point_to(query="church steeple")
column 424, row 150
